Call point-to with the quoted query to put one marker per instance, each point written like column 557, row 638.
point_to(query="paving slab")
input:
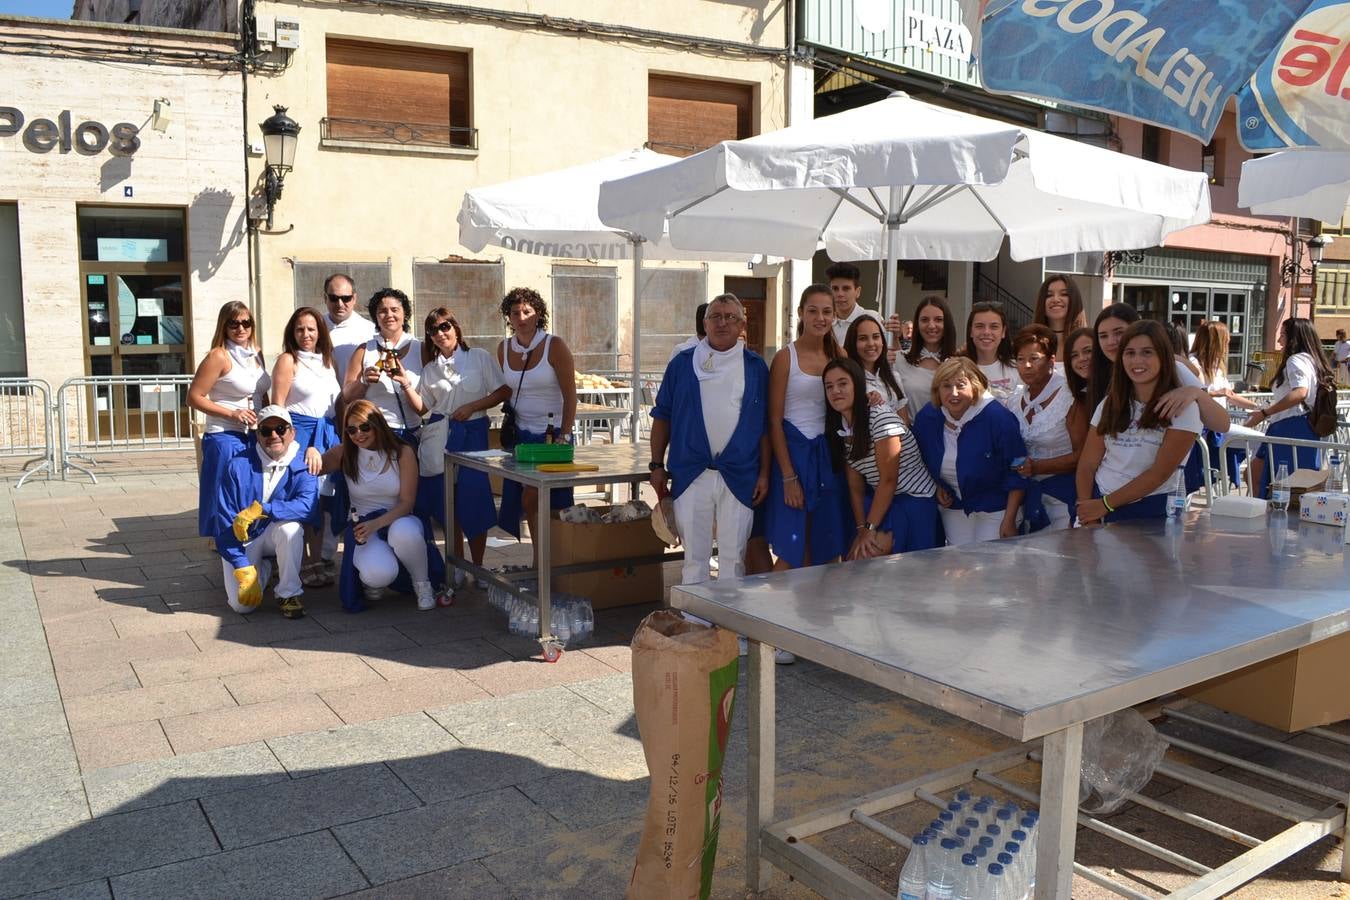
column 36, row 720
column 244, row 724
column 570, row 865
column 334, row 646
column 25, row 690
column 100, row 679
column 261, row 628
column 515, row 676
column 32, row 661
column 445, row 834
column 539, row 708
column 120, row 744
column 136, row 624
column 177, row 778
column 490, row 758
column 90, row 890
column 301, row 805
column 106, row 846
column 275, row 683
column 614, row 693
column 470, row 879
column 456, row 655
column 159, row 701
column 153, row 646
column 213, row 663
column 399, row 738
column 384, row 698
column 311, row 865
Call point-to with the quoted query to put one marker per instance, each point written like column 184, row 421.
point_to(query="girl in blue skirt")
column 1303, row 368
column 459, row 384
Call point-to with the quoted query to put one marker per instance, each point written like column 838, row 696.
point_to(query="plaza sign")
column 88, row 138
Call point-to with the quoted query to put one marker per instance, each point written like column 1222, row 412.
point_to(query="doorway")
column 1188, row 305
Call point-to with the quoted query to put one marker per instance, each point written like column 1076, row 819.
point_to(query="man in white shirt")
column 1342, row 352
column 846, row 286
column 346, row 329
column 264, row 499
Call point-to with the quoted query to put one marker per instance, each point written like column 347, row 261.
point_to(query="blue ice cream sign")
column 1174, row 63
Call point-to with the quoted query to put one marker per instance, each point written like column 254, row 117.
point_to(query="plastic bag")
column 631, row 511
column 579, row 515
column 1120, row 752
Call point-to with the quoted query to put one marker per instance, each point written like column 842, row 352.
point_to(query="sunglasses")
column 341, row 298
column 268, row 430
column 442, row 328
column 240, row 324
column 363, row 427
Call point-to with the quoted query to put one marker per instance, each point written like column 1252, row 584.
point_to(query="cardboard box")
column 1291, row 692
column 622, row 585
column 1324, row 508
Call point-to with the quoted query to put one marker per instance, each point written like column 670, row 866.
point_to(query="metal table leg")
column 548, row 642
column 1060, row 766
column 452, row 559
column 760, row 762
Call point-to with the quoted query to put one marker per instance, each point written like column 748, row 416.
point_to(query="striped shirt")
column 913, row 478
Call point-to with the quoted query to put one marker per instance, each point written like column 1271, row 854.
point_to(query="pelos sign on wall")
column 89, row 138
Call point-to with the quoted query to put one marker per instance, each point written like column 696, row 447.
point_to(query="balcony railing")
column 411, row 134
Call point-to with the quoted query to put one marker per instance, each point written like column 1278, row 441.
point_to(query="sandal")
column 312, row 575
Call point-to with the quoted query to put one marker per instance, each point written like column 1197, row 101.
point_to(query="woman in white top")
column 1210, row 355
column 385, row 543
column 865, row 344
column 806, row 504
column 987, row 342
column 541, row 376
column 386, row 369
column 1303, row 366
column 459, row 385
column 229, row 386
column 305, row 381
column 889, row 488
column 1134, row 452
column 1059, row 307
column 1053, row 426
column 933, row 343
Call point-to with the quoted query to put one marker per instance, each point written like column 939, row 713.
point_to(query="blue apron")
column 218, row 448
column 825, row 493
column 475, row 512
column 512, row 492
column 322, row 435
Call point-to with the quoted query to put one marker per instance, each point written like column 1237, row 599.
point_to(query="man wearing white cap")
column 264, row 500
column 711, row 413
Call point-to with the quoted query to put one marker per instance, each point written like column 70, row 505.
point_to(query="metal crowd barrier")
column 1254, row 443
column 26, row 431
column 103, row 414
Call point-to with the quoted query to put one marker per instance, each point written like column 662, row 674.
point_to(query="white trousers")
column 377, row 562
column 1057, row 510
column 286, row 542
column 970, row 529
column 708, row 505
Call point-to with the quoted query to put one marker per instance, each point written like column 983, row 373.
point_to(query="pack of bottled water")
column 572, row 618
column 976, row 849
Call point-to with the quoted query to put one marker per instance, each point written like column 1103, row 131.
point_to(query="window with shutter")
column 583, row 313
column 391, row 94
column 670, row 298
column 367, row 278
column 686, row 115
column 472, row 291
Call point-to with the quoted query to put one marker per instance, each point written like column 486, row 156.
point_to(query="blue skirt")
column 913, row 522
column 512, row 492
column 1154, row 506
column 1293, row 457
column 475, row 512
column 321, row 434
column 824, row 525
column 218, row 448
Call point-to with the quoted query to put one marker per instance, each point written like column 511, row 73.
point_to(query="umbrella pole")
column 636, row 383
column 888, row 259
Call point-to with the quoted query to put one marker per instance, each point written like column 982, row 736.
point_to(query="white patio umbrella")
column 1307, row 183
column 555, row 215
column 905, row 179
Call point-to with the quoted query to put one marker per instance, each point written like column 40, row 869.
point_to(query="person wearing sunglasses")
column 346, row 329
column 459, row 385
column 386, row 369
column 385, row 544
column 306, row 383
column 262, row 503
column 230, row 384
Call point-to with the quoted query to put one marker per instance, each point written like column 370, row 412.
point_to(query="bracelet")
column 1107, row 503
column 787, row 478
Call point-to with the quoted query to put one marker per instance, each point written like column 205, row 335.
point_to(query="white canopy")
column 1307, row 183
column 905, row 179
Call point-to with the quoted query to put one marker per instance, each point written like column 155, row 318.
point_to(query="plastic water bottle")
column 1003, row 818
column 983, row 812
column 995, row 884
column 942, row 871
column 973, row 824
column 561, row 621
column 1279, row 490
column 1028, row 842
column 1014, row 849
column 1176, row 497
column 968, row 882
column 914, row 875
column 963, row 797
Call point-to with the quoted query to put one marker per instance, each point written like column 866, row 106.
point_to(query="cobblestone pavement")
column 157, row 744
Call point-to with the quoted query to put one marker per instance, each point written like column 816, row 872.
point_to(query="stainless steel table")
column 617, row 464
column 1035, row 636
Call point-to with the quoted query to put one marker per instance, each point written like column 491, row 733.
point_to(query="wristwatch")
column 868, row 526
column 653, row 466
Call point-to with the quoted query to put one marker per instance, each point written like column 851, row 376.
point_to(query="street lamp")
column 281, row 134
column 1291, row 270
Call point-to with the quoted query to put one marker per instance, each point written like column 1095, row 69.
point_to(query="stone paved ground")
column 156, row 744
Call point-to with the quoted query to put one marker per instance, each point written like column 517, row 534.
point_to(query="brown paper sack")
column 684, row 686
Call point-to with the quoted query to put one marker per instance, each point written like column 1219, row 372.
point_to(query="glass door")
column 1188, row 305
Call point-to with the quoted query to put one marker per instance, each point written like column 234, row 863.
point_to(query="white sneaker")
column 480, row 583
column 426, row 597
column 783, row 658
column 460, row 577
column 372, row 594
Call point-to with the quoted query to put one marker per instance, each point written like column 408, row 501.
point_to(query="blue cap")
column 972, row 823
column 1005, row 859
column 986, row 841
column 1019, row 835
column 921, row 839
column 963, row 795
column 1004, row 815
column 996, row 869
column 968, row 859
column 963, row 832
column 1012, row 846
column 985, row 798
column 946, row 815
column 1028, row 822
column 949, row 843
column 993, row 830
column 980, row 851
column 982, row 807
column 937, row 825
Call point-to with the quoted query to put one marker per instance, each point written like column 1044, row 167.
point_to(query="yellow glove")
column 246, row 517
column 250, row 590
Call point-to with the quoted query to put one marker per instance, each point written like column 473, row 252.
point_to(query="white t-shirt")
column 1003, row 379
column 346, row 337
column 1219, row 382
column 841, row 325
column 888, row 397
column 1299, row 372
column 721, row 388
column 916, row 382
column 1342, row 352
column 1131, row 453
